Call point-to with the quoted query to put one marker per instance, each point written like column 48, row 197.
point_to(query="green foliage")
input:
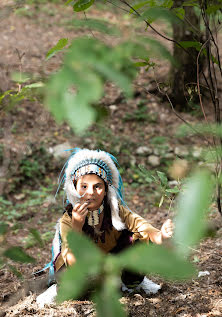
column 152, row 3
column 140, row 114
column 193, row 205
column 160, row 179
column 17, row 254
column 82, row 5
column 156, row 13
column 34, row 238
column 3, row 228
column 34, row 165
column 57, row 48
column 94, row 25
column 70, row 95
column 107, row 298
column 155, row 259
column 15, row 271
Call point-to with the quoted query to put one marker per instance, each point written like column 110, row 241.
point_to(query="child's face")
column 93, row 189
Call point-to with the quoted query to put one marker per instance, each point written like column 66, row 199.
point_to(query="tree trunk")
column 184, row 77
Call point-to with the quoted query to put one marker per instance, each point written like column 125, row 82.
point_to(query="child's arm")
column 166, row 232
column 142, row 229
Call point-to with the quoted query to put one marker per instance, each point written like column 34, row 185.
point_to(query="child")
column 95, row 206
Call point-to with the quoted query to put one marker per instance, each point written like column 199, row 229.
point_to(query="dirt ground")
column 33, row 30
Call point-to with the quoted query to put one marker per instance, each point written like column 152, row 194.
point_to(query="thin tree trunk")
column 184, row 77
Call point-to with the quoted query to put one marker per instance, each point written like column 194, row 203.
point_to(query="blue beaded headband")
column 97, row 167
column 92, row 169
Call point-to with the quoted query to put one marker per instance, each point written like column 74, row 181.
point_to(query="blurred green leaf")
column 88, row 253
column 88, row 264
column 57, row 48
column 193, row 204
column 17, row 254
column 36, row 235
column 191, row 3
column 161, row 201
column 20, row 77
column 96, row 25
column 152, row 3
column 82, row 5
column 107, row 298
column 3, row 228
column 179, row 12
column 15, row 271
column 163, row 178
column 156, row 13
column 155, row 48
column 155, row 259
column 173, row 190
column 34, row 85
column 70, row 94
column 72, row 282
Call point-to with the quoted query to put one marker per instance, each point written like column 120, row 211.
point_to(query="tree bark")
column 184, row 77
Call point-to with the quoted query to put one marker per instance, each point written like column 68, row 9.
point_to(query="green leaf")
column 157, row 49
column 70, row 95
column 191, row 3
column 73, row 282
column 88, row 253
column 35, row 85
column 20, row 77
column 152, row 3
column 163, row 178
column 15, row 271
column 82, row 5
column 155, row 259
column 107, row 298
column 192, row 207
column 156, row 13
column 36, row 235
column 141, row 64
column 88, row 265
column 97, row 25
column 161, row 201
column 173, row 190
column 18, row 255
column 188, row 44
column 3, row 228
column 213, row 9
column 179, row 12
column 57, row 48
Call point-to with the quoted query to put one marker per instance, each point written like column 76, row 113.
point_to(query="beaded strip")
column 94, row 166
column 93, row 216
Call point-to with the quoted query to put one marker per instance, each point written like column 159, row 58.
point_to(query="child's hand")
column 167, row 229
column 79, row 214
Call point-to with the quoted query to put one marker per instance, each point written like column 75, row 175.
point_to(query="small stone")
column 143, row 150
column 113, row 108
column 154, row 160
column 60, row 151
column 169, row 155
column 19, row 196
column 197, row 151
column 181, row 151
column 203, row 273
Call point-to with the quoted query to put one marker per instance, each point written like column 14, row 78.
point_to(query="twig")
column 89, row 28
column 198, row 81
column 20, row 57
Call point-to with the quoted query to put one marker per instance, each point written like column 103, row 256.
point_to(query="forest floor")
column 31, row 135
